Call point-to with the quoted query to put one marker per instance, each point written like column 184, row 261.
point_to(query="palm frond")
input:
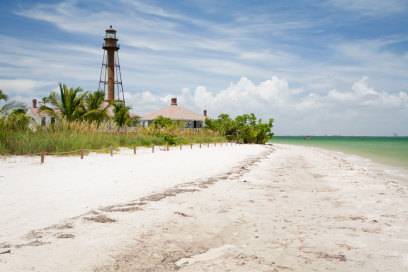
column 48, row 110
column 12, row 105
column 3, row 96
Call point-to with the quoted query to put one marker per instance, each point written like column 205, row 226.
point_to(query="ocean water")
column 388, row 150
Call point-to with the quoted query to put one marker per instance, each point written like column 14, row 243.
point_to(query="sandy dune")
column 252, row 208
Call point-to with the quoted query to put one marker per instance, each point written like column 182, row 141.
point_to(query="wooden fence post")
column 82, row 154
column 200, row 145
column 191, row 146
column 167, row 147
column 42, row 157
column 152, row 148
column 111, row 150
column 134, row 150
column 181, row 147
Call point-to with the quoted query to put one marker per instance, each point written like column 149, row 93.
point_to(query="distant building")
column 39, row 118
column 176, row 113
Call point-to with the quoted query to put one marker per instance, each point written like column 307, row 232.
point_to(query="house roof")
column 174, row 112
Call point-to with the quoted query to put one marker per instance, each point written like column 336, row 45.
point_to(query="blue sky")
column 317, row 67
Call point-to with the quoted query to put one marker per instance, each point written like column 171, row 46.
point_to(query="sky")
column 328, row 67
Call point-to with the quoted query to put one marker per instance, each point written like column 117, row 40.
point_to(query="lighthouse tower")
column 110, row 79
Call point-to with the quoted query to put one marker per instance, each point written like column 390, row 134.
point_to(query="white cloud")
column 22, row 86
column 164, row 50
column 371, row 7
column 295, row 110
column 159, row 44
column 361, row 94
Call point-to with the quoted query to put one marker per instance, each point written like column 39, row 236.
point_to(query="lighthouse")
column 110, row 79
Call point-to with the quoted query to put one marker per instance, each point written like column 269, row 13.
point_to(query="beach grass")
column 74, row 139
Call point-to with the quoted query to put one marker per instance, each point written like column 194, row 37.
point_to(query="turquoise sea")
column 388, row 150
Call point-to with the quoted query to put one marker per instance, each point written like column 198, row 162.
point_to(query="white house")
column 39, row 118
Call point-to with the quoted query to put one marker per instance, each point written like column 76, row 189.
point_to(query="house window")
column 43, row 121
column 52, row 120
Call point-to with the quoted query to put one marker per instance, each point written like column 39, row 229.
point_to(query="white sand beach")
column 223, row 208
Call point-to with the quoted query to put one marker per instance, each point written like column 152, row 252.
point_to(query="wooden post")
column 181, row 146
column 191, row 146
column 200, row 145
column 215, row 144
column 152, row 148
column 82, row 154
column 167, row 147
column 208, row 145
column 134, row 150
column 111, row 150
column 42, row 157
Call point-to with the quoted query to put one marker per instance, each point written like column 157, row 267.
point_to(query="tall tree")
column 3, row 96
column 10, row 106
column 95, row 106
column 122, row 114
column 68, row 104
column 17, row 120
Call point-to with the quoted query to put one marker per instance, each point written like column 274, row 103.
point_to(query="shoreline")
column 366, row 160
column 277, row 208
column 384, row 150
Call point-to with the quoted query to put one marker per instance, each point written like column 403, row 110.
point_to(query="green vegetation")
column 121, row 114
column 95, row 110
column 72, row 136
column 69, row 104
column 12, row 115
column 162, row 122
column 3, row 96
column 244, row 128
column 84, row 120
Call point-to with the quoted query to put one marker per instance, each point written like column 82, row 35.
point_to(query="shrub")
column 83, row 123
column 244, row 128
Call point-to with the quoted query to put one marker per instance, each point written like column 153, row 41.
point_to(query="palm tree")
column 18, row 119
column 11, row 106
column 3, row 96
column 122, row 116
column 96, row 109
column 44, row 100
column 13, row 115
column 69, row 103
